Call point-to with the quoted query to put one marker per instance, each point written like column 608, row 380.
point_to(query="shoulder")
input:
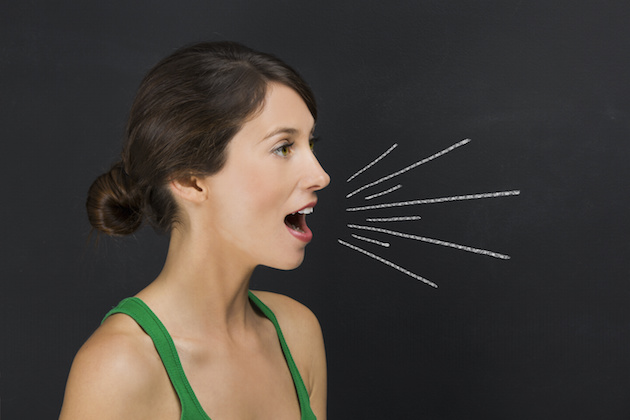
column 114, row 374
column 296, row 320
column 303, row 335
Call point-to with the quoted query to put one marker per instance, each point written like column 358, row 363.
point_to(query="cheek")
column 260, row 190
column 265, row 197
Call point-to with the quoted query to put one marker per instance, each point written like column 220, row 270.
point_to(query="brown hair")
column 187, row 109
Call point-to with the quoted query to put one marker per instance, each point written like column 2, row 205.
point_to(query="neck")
column 202, row 287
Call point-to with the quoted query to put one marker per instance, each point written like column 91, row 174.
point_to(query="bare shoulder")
column 303, row 335
column 295, row 319
column 114, row 374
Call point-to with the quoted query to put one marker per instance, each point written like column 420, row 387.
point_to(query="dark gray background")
column 541, row 87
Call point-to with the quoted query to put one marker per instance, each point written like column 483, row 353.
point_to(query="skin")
column 230, row 223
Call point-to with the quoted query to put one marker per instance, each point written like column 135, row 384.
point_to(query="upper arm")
column 109, row 379
column 303, row 335
column 317, row 379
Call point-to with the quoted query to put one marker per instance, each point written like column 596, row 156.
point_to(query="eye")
column 312, row 142
column 283, row 150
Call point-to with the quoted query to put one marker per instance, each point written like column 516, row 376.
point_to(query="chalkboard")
column 519, row 113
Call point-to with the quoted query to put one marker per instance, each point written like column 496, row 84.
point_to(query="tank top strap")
column 150, row 323
column 303, row 397
column 191, row 408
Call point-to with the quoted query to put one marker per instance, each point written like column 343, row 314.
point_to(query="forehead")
column 283, row 112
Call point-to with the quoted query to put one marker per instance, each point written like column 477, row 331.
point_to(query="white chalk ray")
column 382, row 193
column 410, row 167
column 388, row 263
column 432, row 241
column 437, row 200
column 393, row 219
column 369, row 165
column 370, row 240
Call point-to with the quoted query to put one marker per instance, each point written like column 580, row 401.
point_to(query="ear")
column 192, row 189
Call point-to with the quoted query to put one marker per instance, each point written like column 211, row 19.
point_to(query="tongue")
column 295, row 221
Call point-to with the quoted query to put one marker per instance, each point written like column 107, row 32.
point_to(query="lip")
column 312, row 204
column 307, row 235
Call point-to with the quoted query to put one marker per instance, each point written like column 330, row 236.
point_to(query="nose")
column 315, row 178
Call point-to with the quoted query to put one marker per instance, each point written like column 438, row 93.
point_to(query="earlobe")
column 189, row 189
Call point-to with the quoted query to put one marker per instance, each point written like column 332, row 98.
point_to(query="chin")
column 293, row 266
column 288, row 264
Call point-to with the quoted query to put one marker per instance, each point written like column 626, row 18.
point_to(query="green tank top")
column 191, row 408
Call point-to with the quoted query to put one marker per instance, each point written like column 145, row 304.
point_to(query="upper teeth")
column 307, row 210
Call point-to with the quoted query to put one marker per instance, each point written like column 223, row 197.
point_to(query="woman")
column 218, row 154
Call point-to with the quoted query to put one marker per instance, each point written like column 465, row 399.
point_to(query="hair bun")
column 113, row 205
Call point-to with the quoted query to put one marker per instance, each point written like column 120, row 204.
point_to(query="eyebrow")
column 282, row 130
column 286, row 130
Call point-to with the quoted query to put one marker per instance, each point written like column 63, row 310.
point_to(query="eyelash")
column 284, row 149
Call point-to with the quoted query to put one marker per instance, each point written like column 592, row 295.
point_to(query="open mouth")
column 297, row 221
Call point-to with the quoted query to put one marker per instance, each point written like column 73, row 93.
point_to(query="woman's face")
column 270, row 174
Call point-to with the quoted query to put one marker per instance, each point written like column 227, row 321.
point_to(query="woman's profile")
column 218, row 154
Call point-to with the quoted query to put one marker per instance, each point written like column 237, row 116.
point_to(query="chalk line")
column 437, row 200
column 410, row 167
column 370, row 240
column 392, row 189
column 369, row 165
column 392, row 219
column 389, row 263
column 432, row 241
